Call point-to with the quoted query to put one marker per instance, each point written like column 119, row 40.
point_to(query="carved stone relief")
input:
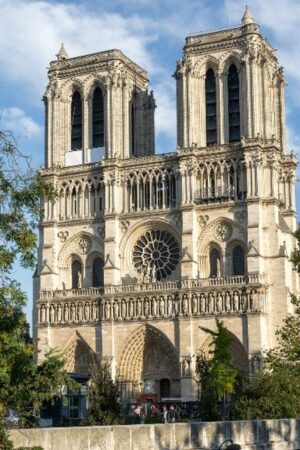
column 223, row 231
column 84, row 245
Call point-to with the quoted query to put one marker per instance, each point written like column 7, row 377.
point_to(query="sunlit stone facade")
column 140, row 250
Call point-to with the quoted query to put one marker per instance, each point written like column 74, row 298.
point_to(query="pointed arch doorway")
column 148, row 363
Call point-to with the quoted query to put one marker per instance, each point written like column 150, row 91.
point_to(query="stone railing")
column 96, row 292
column 142, row 287
column 278, row 434
column 71, row 293
column 180, row 304
column 223, row 281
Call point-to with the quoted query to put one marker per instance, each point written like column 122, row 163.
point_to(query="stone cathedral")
column 140, row 250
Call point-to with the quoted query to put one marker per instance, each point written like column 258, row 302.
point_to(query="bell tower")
column 229, row 86
column 231, row 111
column 97, row 106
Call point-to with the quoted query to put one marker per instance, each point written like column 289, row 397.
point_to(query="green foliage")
column 104, row 408
column 218, row 376
column 154, row 418
column 270, row 395
column 5, row 442
column 296, row 254
column 275, row 392
column 24, row 385
column 30, row 448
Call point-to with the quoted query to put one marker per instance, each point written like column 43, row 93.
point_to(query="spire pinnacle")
column 62, row 54
column 247, row 17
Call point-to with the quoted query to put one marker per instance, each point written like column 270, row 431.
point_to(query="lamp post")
column 231, row 445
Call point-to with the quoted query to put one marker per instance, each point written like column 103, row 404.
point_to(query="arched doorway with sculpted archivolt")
column 148, row 363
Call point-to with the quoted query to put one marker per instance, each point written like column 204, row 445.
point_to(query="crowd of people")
column 159, row 412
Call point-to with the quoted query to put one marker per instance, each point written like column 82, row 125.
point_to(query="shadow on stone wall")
column 281, row 434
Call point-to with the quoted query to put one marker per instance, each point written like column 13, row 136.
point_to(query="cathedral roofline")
column 97, row 57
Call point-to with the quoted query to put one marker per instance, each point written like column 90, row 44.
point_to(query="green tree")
column 24, row 384
column 218, row 376
column 275, row 391
column 270, row 395
column 104, row 408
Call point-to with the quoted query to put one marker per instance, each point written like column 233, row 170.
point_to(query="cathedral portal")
column 148, row 363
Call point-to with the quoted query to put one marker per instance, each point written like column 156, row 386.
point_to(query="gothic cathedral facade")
column 141, row 249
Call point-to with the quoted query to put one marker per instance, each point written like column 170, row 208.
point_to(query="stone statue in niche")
column 202, row 303
column 94, row 311
column 79, row 312
column 131, row 309
column 218, row 264
column 236, row 301
column 194, row 304
column 87, row 312
column 154, row 307
column 162, row 306
column 147, row 272
column 138, row 308
column 116, row 310
column 42, row 314
column 185, row 305
column 73, row 312
column 66, row 313
column 153, row 274
column 219, row 302
column 243, row 301
column 253, row 305
column 227, row 301
column 52, row 314
column 255, row 364
column 59, row 313
column 123, row 307
column 107, row 310
column 146, row 307
column 170, row 306
column 79, row 279
column 176, row 306
column 186, row 369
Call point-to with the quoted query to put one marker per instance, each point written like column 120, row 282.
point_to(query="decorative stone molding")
column 147, row 351
column 63, row 235
column 84, row 245
column 202, row 220
column 185, row 366
column 151, row 307
column 223, row 231
column 85, row 311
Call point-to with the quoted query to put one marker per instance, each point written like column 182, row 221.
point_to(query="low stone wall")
column 280, row 434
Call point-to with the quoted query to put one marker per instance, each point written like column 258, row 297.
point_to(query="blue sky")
column 151, row 33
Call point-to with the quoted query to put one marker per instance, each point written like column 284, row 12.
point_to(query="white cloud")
column 281, row 21
column 15, row 120
column 31, row 33
column 165, row 114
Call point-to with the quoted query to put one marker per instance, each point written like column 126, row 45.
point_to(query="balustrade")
column 67, row 293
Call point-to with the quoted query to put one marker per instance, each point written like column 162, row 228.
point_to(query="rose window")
column 155, row 255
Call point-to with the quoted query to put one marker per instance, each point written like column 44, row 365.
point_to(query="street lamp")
column 231, row 446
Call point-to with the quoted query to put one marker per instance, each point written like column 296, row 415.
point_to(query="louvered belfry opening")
column 98, row 119
column 238, row 260
column 133, row 143
column 211, row 107
column 76, row 121
column 233, row 104
column 98, row 272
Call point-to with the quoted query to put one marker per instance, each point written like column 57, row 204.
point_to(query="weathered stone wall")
column 281, row 434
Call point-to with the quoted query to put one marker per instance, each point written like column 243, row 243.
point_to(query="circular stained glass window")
column 155, row 255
